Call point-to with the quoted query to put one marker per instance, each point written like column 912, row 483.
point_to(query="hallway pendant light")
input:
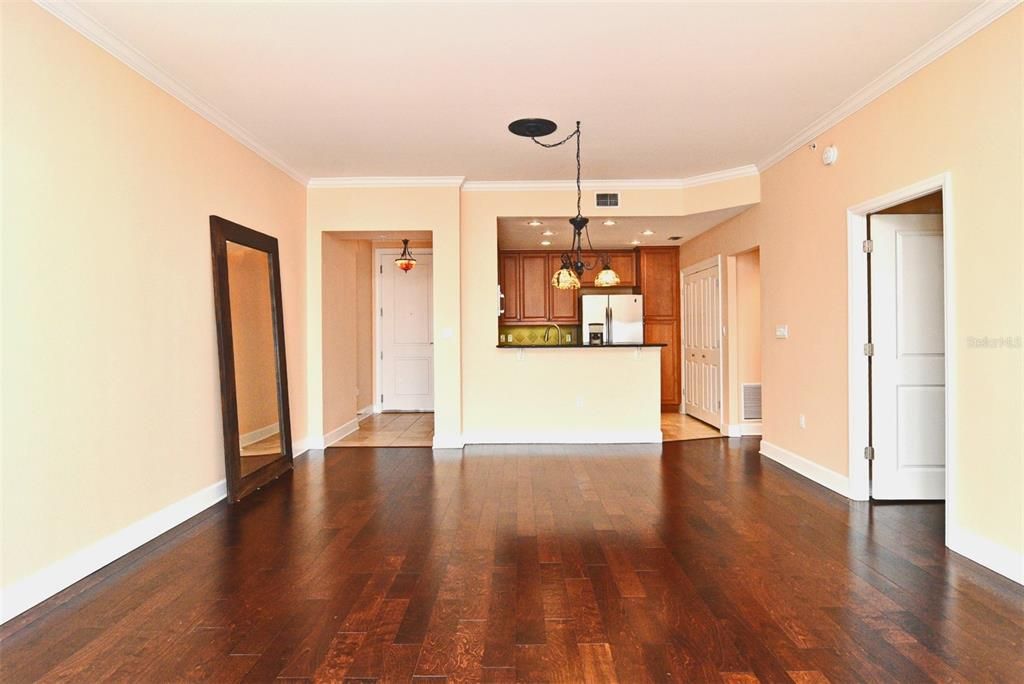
column 568, row 276
column 405, row 261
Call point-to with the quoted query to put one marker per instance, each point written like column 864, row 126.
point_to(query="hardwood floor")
column 392, row 429
column 677, row 426
column 698, row 561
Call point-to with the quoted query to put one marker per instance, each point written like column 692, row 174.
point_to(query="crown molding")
column 957, row 33
column 75, row 17
column 613, row 185
column 388, row 182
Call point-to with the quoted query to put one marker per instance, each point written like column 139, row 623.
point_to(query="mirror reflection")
column 255, row 359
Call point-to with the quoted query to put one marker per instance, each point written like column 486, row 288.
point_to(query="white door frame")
column 689, row 270
column 857, row 327
column 378, row 366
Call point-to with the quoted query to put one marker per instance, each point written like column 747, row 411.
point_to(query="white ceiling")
column 664, row 90
column 516, row 233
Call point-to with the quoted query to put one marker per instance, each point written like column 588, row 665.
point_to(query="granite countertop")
column 577, row 346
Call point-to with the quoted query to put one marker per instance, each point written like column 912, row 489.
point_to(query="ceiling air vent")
column 607, row 199
column 676, row 237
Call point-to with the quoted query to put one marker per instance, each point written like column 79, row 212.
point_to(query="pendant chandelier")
column 568, row 276
column 405, row 261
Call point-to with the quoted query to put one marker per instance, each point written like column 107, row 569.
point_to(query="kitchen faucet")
column 558, row 331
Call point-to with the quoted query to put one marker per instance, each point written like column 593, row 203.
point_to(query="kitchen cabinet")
column 508, row 281
column 563, row 305
column 525, row 280
column 667, row 333
column 535, row 281
column 622, row 262
column 659, row 284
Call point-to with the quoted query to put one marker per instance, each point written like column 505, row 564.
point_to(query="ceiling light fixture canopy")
column 405, row 261
column 568, row 276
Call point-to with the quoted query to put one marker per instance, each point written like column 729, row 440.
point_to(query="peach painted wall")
column 252, row 337
column 111, row 406
column 748, row 305
column 962, row 114
column 340, row 331
column 364, row 324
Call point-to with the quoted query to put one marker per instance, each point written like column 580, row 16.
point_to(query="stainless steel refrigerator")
column 620, row 315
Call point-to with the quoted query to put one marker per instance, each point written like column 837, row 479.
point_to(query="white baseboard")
column 449, row 441
column 337, row 433
column 562, row 437
column 256, row 435
column 741, row 429
column 809, row 469
column 995, row 557
column 300, row 447
column 367, row 410
column 34, row 589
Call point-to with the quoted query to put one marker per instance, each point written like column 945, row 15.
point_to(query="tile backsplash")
column 534, row 335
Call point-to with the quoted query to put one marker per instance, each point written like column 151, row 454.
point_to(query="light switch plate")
column 781, row 332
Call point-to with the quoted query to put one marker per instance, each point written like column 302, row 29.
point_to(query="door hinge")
column 868, row 246
column 869, row 349
column 382, row 312
column 869, row 453
column 382, row 269
column 382, row 398
column 382, row 356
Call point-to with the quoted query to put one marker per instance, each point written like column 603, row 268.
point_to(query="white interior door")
column 407, row 334
column 702, row 345
column 908, row 392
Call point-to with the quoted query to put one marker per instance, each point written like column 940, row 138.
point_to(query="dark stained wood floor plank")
column 704, row 562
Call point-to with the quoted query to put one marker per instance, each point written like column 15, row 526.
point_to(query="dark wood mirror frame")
column 222, row 232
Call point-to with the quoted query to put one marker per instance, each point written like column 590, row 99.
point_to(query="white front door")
column 908, row 385
column 702, row 345
column 407, row 334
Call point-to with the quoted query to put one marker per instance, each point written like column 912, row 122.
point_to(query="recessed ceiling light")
column 535, row 222
column 648, row 232
column 545, row 242
column 634, row 242
column 548, row 233
column 609, row 222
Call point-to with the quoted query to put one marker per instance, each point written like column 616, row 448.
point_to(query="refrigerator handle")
column 609, row 318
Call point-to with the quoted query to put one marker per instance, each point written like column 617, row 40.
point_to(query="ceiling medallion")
column 568, row 276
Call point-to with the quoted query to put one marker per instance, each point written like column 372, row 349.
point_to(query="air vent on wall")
column 751, row 401
column 607, row 199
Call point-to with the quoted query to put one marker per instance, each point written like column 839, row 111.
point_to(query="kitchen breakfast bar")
column 598, row 394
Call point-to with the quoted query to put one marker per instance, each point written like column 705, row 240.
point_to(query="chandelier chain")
column 579, row 165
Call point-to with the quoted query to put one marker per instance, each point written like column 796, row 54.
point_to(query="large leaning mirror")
column 250, row 336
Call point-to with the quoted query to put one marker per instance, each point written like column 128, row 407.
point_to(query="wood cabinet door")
column 563, row 305
column 510, row 281
column 667, row 333
column 659, row 282
column 622, row 262
column 536, row 281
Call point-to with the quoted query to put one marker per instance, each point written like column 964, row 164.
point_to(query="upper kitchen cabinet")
column 535, row 285
column 622, row 262
column 508, row 281
column 659, row 282
column 529, row 297
column 563, row 305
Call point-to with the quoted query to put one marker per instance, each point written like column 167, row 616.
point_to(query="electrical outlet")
column 803, row 421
